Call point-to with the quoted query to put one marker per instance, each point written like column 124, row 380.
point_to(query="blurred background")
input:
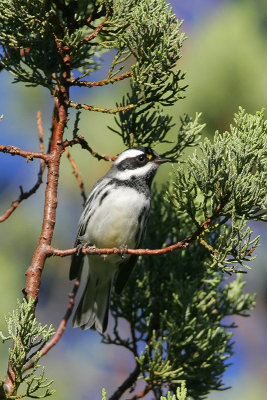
column 225, row 60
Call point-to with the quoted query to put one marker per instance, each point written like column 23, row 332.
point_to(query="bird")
column 115, row 215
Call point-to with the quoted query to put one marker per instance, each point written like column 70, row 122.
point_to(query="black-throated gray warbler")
column 115, row 215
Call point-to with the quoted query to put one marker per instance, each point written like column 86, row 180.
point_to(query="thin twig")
column 76, row 124
column 77, row 174
column 126, row 384
column 24, row 195
column 73, row 162
column 40, row 131
column 88, row 38
column 62, row 326
column 103, row 82
column 79, row 106
column 16, row 151
column 83, row 143
column 51, row 251
column 143, row 393
column 208, row 246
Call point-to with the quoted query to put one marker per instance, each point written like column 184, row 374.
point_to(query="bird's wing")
column 77, row 259
column 76, row 265
column 126, row 267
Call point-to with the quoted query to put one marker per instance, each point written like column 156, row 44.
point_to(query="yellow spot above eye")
column 149, row 156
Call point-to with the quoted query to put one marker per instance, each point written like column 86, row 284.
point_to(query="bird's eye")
column 141, row 158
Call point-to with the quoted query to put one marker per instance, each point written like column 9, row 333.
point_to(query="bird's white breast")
column 114, row 222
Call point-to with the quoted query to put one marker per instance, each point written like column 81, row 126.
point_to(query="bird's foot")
column 80, row 246
column 123, row 251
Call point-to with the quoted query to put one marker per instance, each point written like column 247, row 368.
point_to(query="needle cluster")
column 28, row 337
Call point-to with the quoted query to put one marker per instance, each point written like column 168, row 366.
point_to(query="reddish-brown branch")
column 88, row 38
column 62, row 326
column 77, row 174
column 56, row 149
column 51, row 251
column 83, row 143
column 208, row 246
column 40, row 131
column 79, row 106
column 103, row 82
column 143, row 393
column 16, row 151
column 24, row 195
column 59, row 123
column 126, row 384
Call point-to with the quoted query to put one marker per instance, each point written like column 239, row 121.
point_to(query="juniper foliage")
column 28, row 337
column 178, row 304
column 180, row 394
column 144, row 30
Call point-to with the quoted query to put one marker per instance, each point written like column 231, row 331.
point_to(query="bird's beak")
column 162, row 160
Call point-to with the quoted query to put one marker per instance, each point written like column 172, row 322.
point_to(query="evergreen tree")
column 178, row 296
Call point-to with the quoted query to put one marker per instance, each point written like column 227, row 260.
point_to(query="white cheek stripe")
column 142, row 171
column 131, row 153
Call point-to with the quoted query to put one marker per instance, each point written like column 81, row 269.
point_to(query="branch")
column 24, row 195
column 16, row 151
column 143, row 393
column 40, row 131
column 126, row 384
column 56, row 148
column 62, row 326
column 51, row 251
column 87, row 107
column 103, row 82
column 83, row 143
column 34, row 272
column 88, row 38
column 208, row 246
column 77, row 175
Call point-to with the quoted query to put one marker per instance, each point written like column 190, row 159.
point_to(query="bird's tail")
column 92, row 311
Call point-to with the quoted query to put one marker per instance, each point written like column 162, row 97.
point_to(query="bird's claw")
column 123, row 251
column 80, row 246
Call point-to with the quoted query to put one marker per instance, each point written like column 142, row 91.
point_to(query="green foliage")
column 178, row 308
column 27, row 35
column 153, row 35
column 226, row 181
column 35, row 40
column 178, row 305
column 152, row 360
column 28, row 337
column 180, row 393
column 29, row 42
column 104, row 394
column 139, row 127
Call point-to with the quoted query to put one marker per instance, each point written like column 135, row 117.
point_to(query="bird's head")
column 137, row 163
